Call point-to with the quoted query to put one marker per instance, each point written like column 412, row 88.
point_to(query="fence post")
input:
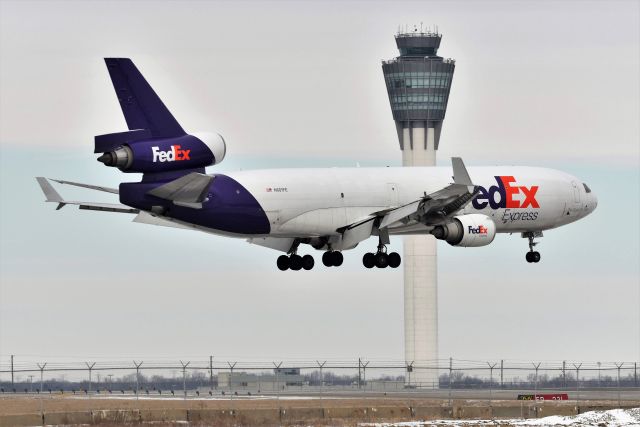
column 635, row 374
column 321, row 365
column 364, row 375
column 211, row 373
column 535, row 389
column 41, row 367
column 231, row 366
column 12, row 371
column 564, row 374
column 491, row 381
column 90, row 367
column 409, row 370
column 502, row 373
column 577, row 384
column 184, row 378
column 619, row 366
column 277, row 365
column 137, row 365
column 450, row 372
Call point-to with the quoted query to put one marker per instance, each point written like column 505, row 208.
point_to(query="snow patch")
column 611, row 418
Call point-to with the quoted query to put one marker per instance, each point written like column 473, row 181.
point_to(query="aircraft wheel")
column 337, row 258
column 327, row 259
column 382, row 260
column 295, row 262
column 283, row 262
column 528, row 257
column 369, row 260
column 394, row 259
column 535, row 256
column 307, row 262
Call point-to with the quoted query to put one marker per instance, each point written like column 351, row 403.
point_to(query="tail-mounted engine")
column 137, row 151
column 467, row 231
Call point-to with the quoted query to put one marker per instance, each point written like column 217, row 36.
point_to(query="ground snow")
column 612, row 418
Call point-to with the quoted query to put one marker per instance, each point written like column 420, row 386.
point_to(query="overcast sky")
column 300, row 84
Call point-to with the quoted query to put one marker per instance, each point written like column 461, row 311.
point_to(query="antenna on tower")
column 421, row 27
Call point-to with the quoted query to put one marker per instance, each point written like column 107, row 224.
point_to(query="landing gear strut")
column 532, row 256
column 381, row 258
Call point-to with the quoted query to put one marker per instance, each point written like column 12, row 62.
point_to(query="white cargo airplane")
column 330, row 209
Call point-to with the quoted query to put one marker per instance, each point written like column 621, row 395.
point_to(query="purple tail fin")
column 141, row 106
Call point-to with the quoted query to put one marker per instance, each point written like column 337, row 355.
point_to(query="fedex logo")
column 176, row 154
column 510, row 196
column 481, row 229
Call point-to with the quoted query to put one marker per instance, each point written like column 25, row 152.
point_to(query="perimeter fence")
column 215, row 377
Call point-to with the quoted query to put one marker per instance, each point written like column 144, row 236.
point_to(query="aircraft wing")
column 432, row 209
column 436, row 207
column 53, row 196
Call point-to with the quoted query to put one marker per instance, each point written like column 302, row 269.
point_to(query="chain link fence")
column 209, row 377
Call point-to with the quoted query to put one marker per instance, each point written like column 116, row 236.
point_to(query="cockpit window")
column 586, row 188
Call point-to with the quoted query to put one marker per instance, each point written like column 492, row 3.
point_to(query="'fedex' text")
column 506, row 192
column 176, row 154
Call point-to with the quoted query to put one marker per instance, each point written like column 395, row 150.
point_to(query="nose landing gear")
column 381, row 258
column 532, row 256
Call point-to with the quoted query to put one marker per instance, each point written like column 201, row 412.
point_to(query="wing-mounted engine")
column 471, row 230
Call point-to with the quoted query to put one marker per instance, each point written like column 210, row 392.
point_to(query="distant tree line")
column 201, row 379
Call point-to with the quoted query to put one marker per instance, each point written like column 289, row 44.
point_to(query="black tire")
column 308, row 262
column 337, row 258
column 394, row 259
column 382, row 260
column 528, row 257
column 326, row 259
column 369, row 260
column 295, row 262
column 283, row 262
column 535, row 256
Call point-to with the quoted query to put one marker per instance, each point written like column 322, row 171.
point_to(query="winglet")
column 460, row 174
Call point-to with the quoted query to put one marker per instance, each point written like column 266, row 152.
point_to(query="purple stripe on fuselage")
column 230, row 207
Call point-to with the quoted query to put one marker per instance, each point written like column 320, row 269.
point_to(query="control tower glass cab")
column 418, row 83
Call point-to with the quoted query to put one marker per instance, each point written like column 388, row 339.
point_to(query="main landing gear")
column 381, row 258
column 295, row 262
column 332, row 258
column 532, row 256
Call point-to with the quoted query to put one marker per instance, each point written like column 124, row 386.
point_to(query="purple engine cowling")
column 167, row 154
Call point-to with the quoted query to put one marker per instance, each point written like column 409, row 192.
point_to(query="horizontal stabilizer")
column 141, row 106
column 189, row 190
column 53, row 196
column 50, row 193
column 89, row 186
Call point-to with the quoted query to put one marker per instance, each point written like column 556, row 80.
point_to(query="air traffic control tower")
column 418, row 83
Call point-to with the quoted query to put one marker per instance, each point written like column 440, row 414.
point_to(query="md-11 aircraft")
column 331, row 209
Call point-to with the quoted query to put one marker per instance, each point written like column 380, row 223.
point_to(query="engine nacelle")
column 467, row 231
column 167, row 154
